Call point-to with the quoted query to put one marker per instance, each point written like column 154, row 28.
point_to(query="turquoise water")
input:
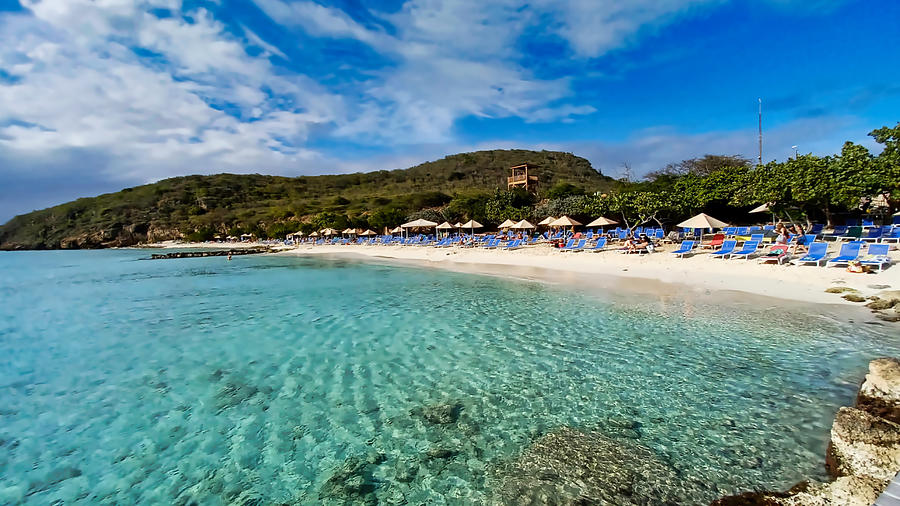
column 253, row 381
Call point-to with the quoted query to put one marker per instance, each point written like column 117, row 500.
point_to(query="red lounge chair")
column 776, row 254
column 717, row 241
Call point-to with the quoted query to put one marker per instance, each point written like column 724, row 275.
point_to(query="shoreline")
column 702, row 273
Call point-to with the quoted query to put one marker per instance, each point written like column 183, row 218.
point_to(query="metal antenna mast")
column 759, row 159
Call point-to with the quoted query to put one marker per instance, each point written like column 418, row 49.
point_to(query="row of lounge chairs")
column 885, row 234
column 877, row 255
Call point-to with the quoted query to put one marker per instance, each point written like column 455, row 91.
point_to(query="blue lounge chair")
column 577, row 247
column 849, row 252
column 726, row 249
column 873, row 235
column 838, row 232
column 743, row 231
column 877, row 255
column 749, row 248
column 601, row 244
column 895, row 220
column 492, row 244
column 868, row 223
column 757, row 237
column 514, row 244
column 892, row 236
column 622, row 235
column 818, row 251
column 686, row 247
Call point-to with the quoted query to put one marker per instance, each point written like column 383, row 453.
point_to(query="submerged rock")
column 440, row 452
column 351, row 483
column 852, row 297
column 53, row 477
column 439, row 414
column 570, row 467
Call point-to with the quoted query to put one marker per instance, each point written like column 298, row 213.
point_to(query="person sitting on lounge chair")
column 800, row 242
column 781, row 234
column 636, row 244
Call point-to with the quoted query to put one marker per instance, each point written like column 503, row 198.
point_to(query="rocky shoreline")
column 863, row 454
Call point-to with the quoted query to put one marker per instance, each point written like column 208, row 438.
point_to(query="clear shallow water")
column 218, row 382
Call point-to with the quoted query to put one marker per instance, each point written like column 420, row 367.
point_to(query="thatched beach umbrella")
column 329, row 232
column 522, row 225
column 444, row 226
column 602, row 222
column 472, row 224
column 396, row 230
column 703, row 221
column 506, row 224
column 768, row 206
column 546, row 223
column 314, row 234
column 420, row 223
column 565, row 221
column 368, row 232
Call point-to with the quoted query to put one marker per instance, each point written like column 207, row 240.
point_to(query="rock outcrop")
column 571, row 467
column 863, row 454
column 880, row 392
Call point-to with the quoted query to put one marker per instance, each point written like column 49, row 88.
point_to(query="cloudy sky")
column 97, row 95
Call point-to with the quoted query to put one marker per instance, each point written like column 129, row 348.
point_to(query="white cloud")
column 463, row 58
column 594, row 27
column 79, row 85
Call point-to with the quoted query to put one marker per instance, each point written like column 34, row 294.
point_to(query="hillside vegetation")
column 200, row 207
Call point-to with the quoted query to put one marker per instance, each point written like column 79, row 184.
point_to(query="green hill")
column 199, row 207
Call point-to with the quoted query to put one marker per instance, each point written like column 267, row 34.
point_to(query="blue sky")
column 97, row 95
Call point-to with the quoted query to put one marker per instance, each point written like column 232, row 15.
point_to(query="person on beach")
column 638, row 243
column 781, row 234
column 229, row 256
column 800, row 242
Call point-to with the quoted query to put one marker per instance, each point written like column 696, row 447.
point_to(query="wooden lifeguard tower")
column 519, row 177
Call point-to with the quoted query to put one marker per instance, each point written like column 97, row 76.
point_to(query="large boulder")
column 570, row 467
column 880, row 392
column 863, row 445
column 844, row 491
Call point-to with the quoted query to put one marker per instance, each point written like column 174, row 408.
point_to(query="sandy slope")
column 806, row 283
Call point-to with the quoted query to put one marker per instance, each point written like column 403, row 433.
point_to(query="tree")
column 564, row 189
column 702, row 167
column 386, row 217
column 509, row 205
column 886, row 166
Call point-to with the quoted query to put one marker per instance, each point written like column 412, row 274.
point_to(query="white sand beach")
column 701, row 271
